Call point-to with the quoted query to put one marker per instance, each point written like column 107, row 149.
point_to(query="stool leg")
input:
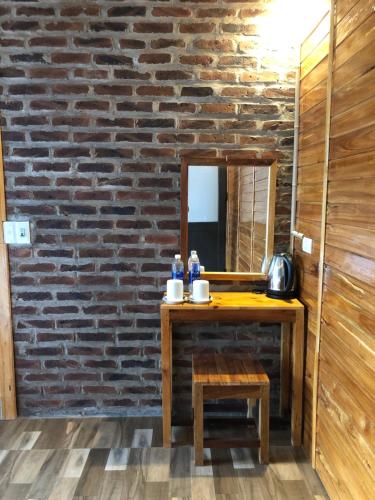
column 264, row 422
column 250, row 407
column 198, row 424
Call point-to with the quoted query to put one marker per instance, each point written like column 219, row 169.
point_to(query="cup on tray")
column 201, row 291
column 175, row 291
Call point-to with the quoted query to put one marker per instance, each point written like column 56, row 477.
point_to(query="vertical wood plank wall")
column 345, row 431
column 313, row 97
column 346, row 399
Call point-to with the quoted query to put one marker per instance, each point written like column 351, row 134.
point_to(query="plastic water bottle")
column 178, row 268
column 194, row 269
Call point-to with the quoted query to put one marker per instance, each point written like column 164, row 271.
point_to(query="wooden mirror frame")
column 186, row 162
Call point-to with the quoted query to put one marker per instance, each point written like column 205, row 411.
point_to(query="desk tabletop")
column 238, row 300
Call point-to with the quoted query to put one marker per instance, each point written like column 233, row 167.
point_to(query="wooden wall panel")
column 8, row 407
column 246, row 206
column 345, row 429
column 312, row 126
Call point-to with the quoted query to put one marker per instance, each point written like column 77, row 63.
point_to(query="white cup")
column 175, row 290
column 201, row 290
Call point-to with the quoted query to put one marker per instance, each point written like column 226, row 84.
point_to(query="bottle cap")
column 177, row 256
column 193, row 252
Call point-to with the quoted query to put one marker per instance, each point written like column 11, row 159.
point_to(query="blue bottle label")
column 178, row 275
column 194, row 273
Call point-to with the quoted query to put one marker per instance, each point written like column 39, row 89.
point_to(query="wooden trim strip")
column 184, row 211
column 323, row 233
column 271, row 207
column 233, row 276
column 223, row 162
column 8, row 408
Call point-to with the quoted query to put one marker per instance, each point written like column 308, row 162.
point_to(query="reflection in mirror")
column 230, row 216
column 207, row 192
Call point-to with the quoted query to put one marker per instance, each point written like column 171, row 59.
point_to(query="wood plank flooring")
column 123, row 459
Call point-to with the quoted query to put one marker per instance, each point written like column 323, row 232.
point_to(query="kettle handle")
column 289, row 283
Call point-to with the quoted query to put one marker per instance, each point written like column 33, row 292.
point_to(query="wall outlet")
column 16, row 233
column 307, row 245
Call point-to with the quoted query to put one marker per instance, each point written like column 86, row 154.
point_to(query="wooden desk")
column 235, row 306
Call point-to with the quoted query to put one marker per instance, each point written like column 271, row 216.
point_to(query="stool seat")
column 224, row 369
column 225, row 376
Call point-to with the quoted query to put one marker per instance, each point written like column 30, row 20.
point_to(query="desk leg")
column 298, row 352
column 166, row 367
column 285, row 368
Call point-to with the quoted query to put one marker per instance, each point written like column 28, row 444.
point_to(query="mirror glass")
column 229, row 216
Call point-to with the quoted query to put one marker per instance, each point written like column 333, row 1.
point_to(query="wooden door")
column 8, row 407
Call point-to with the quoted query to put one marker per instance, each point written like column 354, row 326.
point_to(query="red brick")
column 260, row 76
column 129, row 74
column 164, row 43
column 154, row 58
column 108, row 26
column 12, row 42
column 223, row 76
column 194, row 60
column 132, row 44
column 175, row 138
column 75, row 10
column 62, row 88
column 218, row 108
column 196, row 91
column 92, row 105
column 20, row 25
column 35, row 11
column 170, row 12
column 49, row 105
column 70, row 58
column 64, row 26
column 238, row 91
column 113, row 60
column 218, row 12
column 155, row 91
column 197, row 124
column 217, row 45
column 152, row 27
column 161, row 239
column 23, row 89
column 243, row 29
column 173, row 75
column 91, row 74
column 217, row 138
column 113, row 90
column 197, row 27
column 100, row 42
column 56, row 73
column 91, row 137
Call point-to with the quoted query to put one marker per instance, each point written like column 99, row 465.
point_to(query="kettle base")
column 274, row 294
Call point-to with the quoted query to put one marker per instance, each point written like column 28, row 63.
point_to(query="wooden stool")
column 218, row 376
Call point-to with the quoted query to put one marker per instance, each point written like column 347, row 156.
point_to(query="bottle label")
column 194, row 273
column 178, row 275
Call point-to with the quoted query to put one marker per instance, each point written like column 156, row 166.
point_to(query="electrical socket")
column 307, row 245
column 16, row 233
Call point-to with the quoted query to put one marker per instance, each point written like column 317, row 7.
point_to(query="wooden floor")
column 113, row 458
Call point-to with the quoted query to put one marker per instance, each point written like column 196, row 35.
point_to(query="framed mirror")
column 228, row 215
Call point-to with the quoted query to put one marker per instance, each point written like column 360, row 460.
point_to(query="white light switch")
column 307, row 244
column 16, row 233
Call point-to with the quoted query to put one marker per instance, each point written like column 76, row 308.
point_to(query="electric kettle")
column 281, row 277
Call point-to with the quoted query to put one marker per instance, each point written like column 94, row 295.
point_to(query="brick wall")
column 98, row 101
